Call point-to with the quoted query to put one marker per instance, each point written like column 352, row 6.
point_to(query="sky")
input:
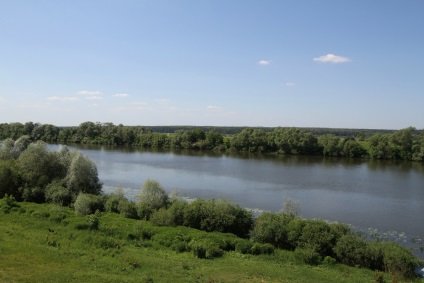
column 297, row 63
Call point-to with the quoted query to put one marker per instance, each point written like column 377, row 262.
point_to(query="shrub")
column 217, row 215
column 93, row 221
column 398, row 260
column 128, row 209
column 316, row 234
column 353, row 250
column 205, row 249
column 328, row 260
column 56, row 193
column 271, row 228
column 86, row 204
column 162, row 217
column 307, row 255
column 258, row 249
column 243, row 246
column 8, row 203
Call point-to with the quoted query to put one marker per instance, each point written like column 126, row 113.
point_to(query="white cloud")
column 289, row 84
column 87, row 92
column 121, row 95
column 214, row 108
column 331, row 58
column 94, row 97
column 64, row 99
column 264, row 62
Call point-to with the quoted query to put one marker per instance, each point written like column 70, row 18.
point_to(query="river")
column 385, row 195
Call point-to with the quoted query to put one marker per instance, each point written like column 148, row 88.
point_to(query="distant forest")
column 404, row 144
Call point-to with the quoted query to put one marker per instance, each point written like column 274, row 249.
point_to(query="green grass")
column 48, row 243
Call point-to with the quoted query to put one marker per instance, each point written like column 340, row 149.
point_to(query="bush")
column 56, row 193
column 316, row 234
column 217, row 215
column 258, row 249
column 118, row 203
column 243, row 246
column 354, row 251
column 205, row 249
column 398, row 260
column 271, row 228
column 8, row 203
column 93, row 221
column 308, row 256
column 86, row 204
column 162, row 217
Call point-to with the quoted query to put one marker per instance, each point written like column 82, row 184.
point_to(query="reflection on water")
column 388, row 195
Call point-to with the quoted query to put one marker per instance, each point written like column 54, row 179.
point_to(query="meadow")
column 51, row 243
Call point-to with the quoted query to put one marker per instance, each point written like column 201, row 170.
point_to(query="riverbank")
column 48, row 243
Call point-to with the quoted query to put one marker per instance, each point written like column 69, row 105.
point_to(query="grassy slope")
column 40, row 243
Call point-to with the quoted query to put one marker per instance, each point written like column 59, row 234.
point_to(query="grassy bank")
column 49, row 243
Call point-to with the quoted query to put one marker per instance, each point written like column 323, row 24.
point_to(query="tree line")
column 404, row 144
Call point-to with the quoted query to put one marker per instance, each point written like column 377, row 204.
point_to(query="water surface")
column 387, row 195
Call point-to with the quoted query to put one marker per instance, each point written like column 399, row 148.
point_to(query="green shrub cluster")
column 30, row 172
column 315, row 240
column 209, row 215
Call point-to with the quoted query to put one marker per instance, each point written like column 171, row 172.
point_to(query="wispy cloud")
column 88, row 92
column 289, row 84
column 214, row 108
column 2, row 99
column 121, row 95
column 64, row 99
column 264, row 62
column 331, row 58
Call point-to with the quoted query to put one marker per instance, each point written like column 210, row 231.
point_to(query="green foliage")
column 205, row 248
column 151, row 198
column 93, row 221
column 39, row 167
column 353, row 250
column 308, row 255
column 398, row 260
column 86, row 204
column 132, row 250
column 258, row 249
column 57, row 193
column 330, row 145
column 82, row 175
column 7, row 203
column 218, row 215
column 10, row 179
column 271, row 228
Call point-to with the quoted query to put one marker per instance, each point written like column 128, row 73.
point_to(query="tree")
column 403, row 140
column 330, row 145
column 380, row 147
column 10, row 179
column 38, row 166
column 152, row 197
column 82, row 176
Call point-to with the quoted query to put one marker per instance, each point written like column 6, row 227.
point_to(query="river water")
column 385, row 195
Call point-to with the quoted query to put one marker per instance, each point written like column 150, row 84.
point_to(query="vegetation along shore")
column 55, row 220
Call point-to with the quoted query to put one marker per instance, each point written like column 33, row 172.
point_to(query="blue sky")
column 341, row 64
